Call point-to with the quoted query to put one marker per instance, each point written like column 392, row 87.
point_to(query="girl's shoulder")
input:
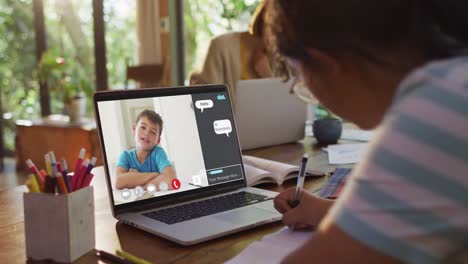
column 448, row 74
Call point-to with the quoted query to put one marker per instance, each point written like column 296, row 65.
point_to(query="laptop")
column 209, row 197
column 268, row 114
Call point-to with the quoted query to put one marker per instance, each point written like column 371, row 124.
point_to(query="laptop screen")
column 161, row 143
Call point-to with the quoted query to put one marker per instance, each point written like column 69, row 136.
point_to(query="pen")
column 47, row 181
column 64, row 167
column 77, row 177
column 50, row 182
column 31, row 183
column 64, row 177
column 79, row 161
column 131, row 258
column 111, row 257
column 59, row 167
column 65, row 174
column 300, row 181
column 47, row 164
column 88, row 171
column 61, row 183
column 87, row 181
column 91, row 165
column 53, row 163
column 35, row 171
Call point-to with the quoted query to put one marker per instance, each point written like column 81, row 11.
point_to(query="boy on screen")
column 147, row 163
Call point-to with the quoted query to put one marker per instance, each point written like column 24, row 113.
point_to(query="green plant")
column 65, row 78
column 321, row 113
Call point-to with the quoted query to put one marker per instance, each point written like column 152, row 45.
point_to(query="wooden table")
column 36, row 138
column 111, row 235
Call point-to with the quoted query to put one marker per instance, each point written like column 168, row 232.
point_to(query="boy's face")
column 146, row 134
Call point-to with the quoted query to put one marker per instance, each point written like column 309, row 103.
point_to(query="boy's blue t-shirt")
column 155, row 162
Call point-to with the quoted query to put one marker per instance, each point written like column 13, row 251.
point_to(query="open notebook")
column 258, row 170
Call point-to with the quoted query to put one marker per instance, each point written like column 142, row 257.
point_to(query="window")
column 205, row 19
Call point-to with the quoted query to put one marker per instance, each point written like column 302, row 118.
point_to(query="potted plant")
column 327, row 127
column 67, row 83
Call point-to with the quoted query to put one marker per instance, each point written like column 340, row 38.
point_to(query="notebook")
column 272, row 248
column 268, row 114
column 202, row 192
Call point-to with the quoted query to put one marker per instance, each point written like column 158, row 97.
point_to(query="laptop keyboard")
column 202, row 208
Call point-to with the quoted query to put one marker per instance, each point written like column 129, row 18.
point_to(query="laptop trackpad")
column 246, row 215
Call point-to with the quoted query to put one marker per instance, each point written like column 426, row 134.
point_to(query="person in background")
column 400, row 65
column 236, row 56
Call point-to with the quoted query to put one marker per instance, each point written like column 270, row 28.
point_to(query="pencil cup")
column 59, row 227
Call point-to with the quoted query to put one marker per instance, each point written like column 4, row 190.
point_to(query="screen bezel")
column 165, row 200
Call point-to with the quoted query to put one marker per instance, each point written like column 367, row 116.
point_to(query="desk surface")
column 111, row 235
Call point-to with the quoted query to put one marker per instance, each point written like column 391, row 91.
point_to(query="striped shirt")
column 409, row 197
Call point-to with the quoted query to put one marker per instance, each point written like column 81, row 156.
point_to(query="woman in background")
column 398, row 64
column 236, row 56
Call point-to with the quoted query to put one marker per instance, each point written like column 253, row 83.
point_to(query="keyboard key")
column 202, row 208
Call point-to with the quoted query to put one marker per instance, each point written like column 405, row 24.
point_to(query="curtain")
column 149, row 32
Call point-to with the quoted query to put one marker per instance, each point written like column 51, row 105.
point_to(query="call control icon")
column 125, row 193
column 175, row 184
column 151, row 188
column 139, row 191
column 163, row 186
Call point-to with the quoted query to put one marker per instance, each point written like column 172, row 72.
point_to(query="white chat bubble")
column 203, row 104
column 222, row 127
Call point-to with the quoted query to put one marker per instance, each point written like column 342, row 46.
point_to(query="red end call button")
column 175, row 184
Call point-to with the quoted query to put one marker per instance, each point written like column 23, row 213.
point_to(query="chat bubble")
column 222, row 127
column 203, row 104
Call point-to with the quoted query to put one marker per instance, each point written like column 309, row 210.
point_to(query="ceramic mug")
column 327, row 131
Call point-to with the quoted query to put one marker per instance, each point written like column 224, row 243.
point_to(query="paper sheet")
column 272, row 248
column 357, row 134
column 346, row 153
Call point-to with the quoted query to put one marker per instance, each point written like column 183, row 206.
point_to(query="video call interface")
column 198, row 140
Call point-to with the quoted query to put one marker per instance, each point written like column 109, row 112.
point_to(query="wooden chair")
column 148, row 75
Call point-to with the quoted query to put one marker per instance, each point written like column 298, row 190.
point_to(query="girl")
column 398, row 65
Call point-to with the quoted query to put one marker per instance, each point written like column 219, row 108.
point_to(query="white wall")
column 182, row 137
column 111, row 123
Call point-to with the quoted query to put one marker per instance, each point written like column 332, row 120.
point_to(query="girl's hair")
column 437, row 28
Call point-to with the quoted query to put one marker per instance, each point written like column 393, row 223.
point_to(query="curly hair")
column 435, row 27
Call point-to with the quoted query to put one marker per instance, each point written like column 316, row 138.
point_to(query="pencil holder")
column 59, row 227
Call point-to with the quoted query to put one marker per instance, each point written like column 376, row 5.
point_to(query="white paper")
column 272, row 248
column 357, row 134
column 346, row 153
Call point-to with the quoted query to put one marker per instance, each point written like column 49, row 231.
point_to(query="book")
column 259, row 170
